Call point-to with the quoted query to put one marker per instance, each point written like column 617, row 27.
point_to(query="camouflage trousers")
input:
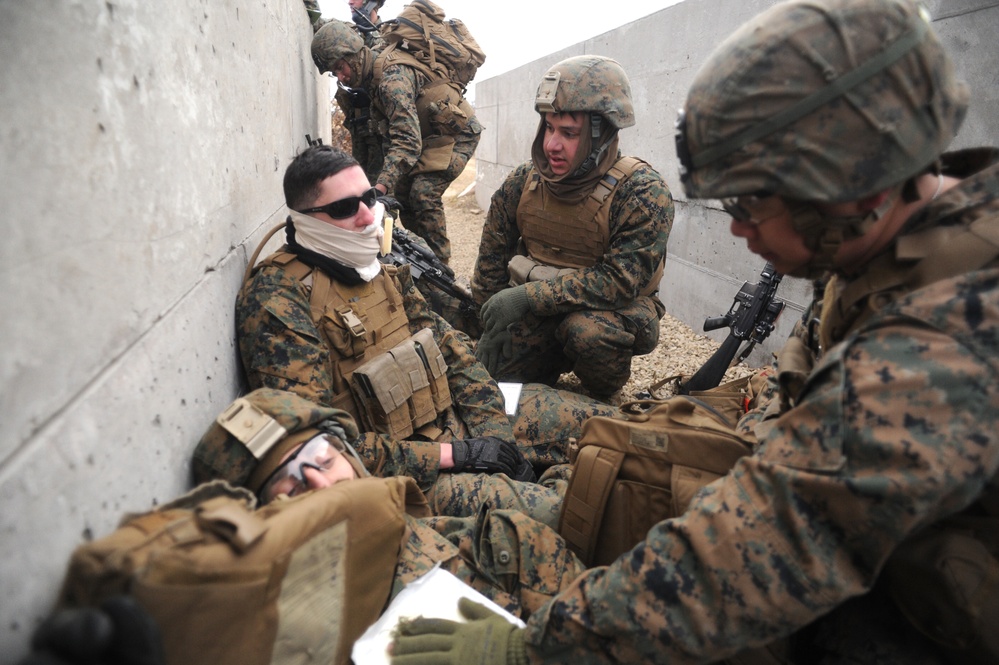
column 466, row 494
column 421, row 198
column 596, row 345
column 511, row 559
column 547, row 420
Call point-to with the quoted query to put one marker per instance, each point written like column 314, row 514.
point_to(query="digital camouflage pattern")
column 896, row 428
column 587, row 83
column 281, row 348
column 870, row 139
column 464, row 494
column 419, row 193
column 511, row 559
column 592, row 321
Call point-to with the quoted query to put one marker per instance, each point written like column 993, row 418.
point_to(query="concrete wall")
column 661, row 54
column 143, row 149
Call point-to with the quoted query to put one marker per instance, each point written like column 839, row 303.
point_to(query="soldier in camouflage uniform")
column 282, row 347
column 581, row 234
column 420, row 158
column 508, row 557
column 868, row 512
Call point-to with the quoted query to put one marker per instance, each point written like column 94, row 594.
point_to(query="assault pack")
column 631, row 473
column 228, row 584
column 441, row 48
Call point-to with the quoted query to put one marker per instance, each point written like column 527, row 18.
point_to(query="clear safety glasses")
column 319, row 453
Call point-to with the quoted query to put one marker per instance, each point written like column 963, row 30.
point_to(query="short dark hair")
column 308, row 170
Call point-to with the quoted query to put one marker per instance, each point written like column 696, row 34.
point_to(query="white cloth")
column 354, row 249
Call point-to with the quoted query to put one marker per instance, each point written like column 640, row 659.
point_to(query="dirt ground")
column 681, row 350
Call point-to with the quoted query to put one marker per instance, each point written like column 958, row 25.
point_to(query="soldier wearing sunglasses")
column 324, row 319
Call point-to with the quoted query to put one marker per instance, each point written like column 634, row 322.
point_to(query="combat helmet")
column 827, row 101
column 334, row 41
column 246, row 443
column 590, row 83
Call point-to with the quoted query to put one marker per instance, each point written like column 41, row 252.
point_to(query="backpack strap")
column 256, row 252
column 595, row 471
column 603, row 195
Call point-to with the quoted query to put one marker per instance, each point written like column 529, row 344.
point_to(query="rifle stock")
column 711, row 372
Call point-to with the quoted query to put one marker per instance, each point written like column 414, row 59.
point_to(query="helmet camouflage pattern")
column 334, row 41
column 246, row 443
column 820, row 101
column 587, row 83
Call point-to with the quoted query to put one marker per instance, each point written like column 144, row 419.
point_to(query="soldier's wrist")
column 447, row 456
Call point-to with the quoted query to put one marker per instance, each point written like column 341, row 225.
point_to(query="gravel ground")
column 681, row 350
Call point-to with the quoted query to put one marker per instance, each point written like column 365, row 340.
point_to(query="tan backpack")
column 227, row 584
column 444, row 48
column 631, row 473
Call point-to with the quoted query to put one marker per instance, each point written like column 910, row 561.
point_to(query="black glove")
column 389, row 202
column 120, row 632
column 491, row 454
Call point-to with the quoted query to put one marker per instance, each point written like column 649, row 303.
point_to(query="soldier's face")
column 313, row 465
column 349, row 182
column 769, row 233
column 562, row 132
column 342, row 71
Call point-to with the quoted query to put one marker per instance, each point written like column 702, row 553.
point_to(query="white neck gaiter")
column 354, row 249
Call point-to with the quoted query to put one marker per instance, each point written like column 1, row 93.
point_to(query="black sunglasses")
column 344, row 208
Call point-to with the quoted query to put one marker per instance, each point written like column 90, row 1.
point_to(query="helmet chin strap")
column 598, row 148
column 824, row 234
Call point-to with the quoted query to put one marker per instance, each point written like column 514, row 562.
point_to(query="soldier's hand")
column 503, row 308
column 487, row 639
column 119, row 632
column 492, row 348
column 490, row 454
column 389, row 202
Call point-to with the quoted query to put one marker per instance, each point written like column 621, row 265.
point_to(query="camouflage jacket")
column 395, row 99
column 641, row 216
column 281, row 348
column 896, row 428
column 513, row 560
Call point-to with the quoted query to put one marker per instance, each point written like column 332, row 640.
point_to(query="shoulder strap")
column 393, row 55
column 256, row 252
column 602, row 197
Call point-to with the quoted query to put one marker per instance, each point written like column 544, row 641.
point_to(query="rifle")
column 424, row 265
column 751, row 319
column 360, row 103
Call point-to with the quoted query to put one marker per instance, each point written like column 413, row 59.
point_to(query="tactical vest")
column 442, row 110
column 387, row 379
column 575, row 235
